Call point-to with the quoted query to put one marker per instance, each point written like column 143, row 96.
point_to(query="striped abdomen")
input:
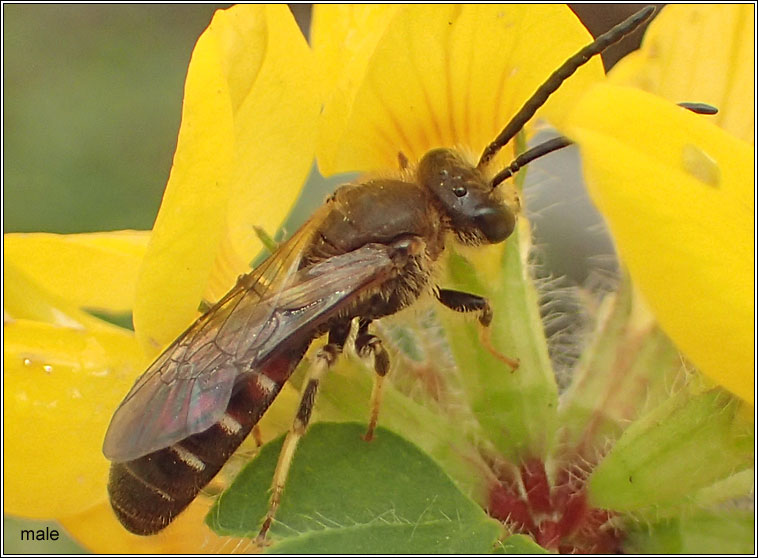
column 149, row 492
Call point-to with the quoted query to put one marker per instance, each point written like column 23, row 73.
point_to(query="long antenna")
column 561, row 141
column 552, row 83
column 528, row 156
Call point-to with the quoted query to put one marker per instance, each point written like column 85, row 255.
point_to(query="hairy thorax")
column 381, row 211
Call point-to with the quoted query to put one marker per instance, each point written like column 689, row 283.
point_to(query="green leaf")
column 344, row 495
column 723, row 492
column 733, row 487
column 519, row 544
column 444, row 435
column 686, row 444
column 706, row 532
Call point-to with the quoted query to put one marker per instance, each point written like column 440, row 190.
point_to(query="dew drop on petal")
column 27, row 362
column 47, row 368
column 700, row 165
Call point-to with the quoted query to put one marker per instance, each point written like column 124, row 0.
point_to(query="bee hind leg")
column 467, row 302
column 367, row 345
column 323, row 361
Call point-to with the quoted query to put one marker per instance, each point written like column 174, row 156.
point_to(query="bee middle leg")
column 366, row 345
column 466, row 302
column 323, row 361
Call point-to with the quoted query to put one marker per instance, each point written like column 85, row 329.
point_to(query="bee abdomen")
column 149, row 492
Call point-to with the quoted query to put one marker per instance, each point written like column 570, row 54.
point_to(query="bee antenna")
column 528, row 156
column 552, row 83
column 560, row 142
column 700, row 108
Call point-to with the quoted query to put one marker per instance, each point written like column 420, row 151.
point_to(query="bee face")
column 476, row 212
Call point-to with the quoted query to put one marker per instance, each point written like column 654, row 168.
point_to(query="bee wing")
column 187, row 389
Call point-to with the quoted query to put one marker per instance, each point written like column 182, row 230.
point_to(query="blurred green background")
column 92, row 104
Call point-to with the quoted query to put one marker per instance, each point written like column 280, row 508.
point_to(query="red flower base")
column 557, row 516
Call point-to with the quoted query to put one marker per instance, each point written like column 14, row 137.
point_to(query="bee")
column 367, row 253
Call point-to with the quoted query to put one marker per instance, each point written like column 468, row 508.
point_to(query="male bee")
column 367, row 253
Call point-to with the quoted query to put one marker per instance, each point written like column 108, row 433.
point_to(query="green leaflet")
column 345, row 495
column 722, row 532
column 684, row 445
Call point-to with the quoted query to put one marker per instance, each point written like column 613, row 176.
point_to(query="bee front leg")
column 324, row 360
column 467, row 302
column 366, row 345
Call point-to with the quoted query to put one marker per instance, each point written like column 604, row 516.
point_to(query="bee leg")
column 467, row 302
column 366, row 345
column 324, row 360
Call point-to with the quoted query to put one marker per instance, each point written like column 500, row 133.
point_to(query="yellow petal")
column 25, row 299
column 343, row 35
column 443, row 76
column 61, row 386
column 97, row 270
column 98, row 530
column 275, row 139
column 245, row 146
column 677, row 193
column 700, row 53
column 190, row 222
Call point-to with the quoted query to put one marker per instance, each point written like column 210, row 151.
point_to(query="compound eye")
column 460, row 191
column 495, row 222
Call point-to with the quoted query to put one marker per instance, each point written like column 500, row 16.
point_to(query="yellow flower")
column 245, row 144
column 391, row 80
column 416, row 78
column 676, row 188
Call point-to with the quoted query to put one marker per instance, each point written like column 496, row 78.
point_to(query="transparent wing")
column 188, row 386
column 187, row 389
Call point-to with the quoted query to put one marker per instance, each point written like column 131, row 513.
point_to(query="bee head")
column 477, row 213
